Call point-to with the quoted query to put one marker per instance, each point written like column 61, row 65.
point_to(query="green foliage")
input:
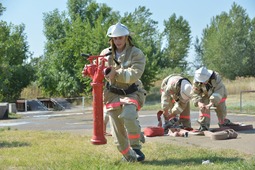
column 83, row 32
column 14, row 116
column 2, row 9
column 77, row 8
column 16, row 73
column 228, row 44
column 164, row 72
column 177, row 32
column 59, row 71
column 251, row 50
column 199, row 54
column 147, row 39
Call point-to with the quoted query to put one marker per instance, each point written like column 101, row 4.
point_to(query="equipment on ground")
column 152, row 131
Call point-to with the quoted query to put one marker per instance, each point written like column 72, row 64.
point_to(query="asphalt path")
column 80, row 120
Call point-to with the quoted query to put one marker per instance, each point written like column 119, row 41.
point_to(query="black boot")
column 227, row 123
column 203, row 128
column 140, row 155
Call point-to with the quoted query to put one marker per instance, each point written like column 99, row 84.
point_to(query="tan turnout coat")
column 125, row 76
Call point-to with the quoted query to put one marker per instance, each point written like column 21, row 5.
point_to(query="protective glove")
column 159, row 113
column 170, row 124
column 109, row 73
column 203, row 107
column 160, row 123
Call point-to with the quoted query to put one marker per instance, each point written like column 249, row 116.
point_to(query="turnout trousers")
column 184, row 117
column 126, row 129
column 205, row 115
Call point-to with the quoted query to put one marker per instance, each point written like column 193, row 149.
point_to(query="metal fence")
column 53, row 104
column 242, row 98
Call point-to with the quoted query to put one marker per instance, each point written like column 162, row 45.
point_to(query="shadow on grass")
column 189, row 161
column 5, row 144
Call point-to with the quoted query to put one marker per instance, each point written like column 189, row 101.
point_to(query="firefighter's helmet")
column 202, row 74
column 118, row 30
column 185, row 91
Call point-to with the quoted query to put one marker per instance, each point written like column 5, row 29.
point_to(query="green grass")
column 14, row 116
column 56, row 150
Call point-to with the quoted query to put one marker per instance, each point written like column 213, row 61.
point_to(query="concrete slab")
column 3, row 110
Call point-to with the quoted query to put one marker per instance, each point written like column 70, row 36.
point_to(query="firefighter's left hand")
column 201, row 105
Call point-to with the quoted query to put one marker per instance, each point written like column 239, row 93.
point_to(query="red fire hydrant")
column 96, row 72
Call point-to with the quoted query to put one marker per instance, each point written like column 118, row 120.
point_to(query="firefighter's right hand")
column 109, row 73
column 170, row 123
column 203, row 107
column 166, row 126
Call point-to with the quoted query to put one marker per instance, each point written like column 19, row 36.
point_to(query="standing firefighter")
column 175, row 97
column 209, row 91
column 124, row 94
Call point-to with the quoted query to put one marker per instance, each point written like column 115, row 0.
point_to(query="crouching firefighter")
column 209, row 91
column 124, row 94
column 175, row 97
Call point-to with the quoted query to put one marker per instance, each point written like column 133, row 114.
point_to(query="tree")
column 16, row 72
column 83, row 30
column 249, row 69
column 67, row 37
column 146, row 37
column 199, row 54
column 178, row 38
column 227, row 45
column 2, row 9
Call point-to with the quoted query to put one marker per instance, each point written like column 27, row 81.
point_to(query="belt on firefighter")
column 131, row 89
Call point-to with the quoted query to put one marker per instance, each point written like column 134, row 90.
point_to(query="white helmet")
column 186, row 90
column 117, row 30
column 202, row 75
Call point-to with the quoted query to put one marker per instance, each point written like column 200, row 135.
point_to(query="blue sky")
column 197, row 12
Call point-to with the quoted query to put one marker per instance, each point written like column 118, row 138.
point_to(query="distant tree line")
column 227, row 45
column 15, row 71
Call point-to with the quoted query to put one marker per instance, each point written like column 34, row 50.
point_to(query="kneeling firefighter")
column 175, row 97
column 209, row 91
